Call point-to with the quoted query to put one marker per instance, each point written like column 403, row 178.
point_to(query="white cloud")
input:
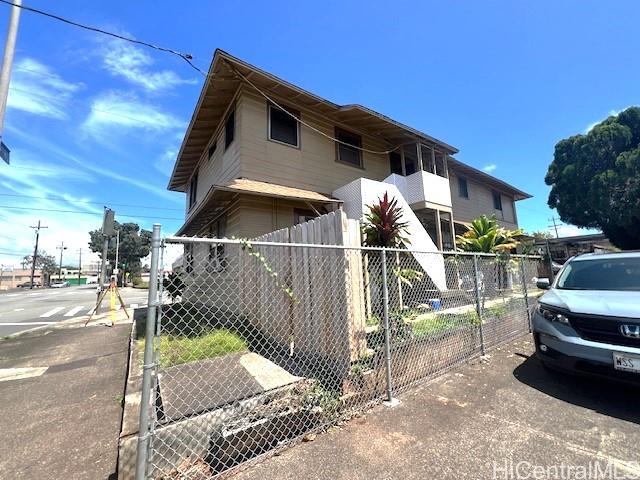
column 611, row 113
column 490, row 168
column 165, row 163
column 124, row 60
column 125, row 110
column 36, row 89
column 91, row 166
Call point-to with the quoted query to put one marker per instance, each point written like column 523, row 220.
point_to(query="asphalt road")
column 26, row 309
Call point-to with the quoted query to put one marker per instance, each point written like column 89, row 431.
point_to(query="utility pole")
column 555, row 227
column 7, row 61
column 62, row 248
column 35, row 254
column 79, row 264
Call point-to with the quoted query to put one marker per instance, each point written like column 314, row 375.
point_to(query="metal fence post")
column 526, row 292
column 143, row 431
column 387, row 333
column 478, row 305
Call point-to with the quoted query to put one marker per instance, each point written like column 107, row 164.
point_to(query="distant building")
column 19, row 276
column 563, row 248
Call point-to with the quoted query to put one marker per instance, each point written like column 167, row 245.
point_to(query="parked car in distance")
column 28, row 284
column 588, row 321
column 59, row 284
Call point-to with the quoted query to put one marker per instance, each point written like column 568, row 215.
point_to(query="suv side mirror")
column 543, row 284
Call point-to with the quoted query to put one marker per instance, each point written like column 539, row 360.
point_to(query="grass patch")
column 430, row 324
column 176, row 350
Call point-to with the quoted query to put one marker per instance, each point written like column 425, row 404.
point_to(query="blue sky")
column 93, row 120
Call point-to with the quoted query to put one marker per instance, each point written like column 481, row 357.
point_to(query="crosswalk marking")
column 74, row 311
column 133, row 305
column 18, row 309
column 53, row 311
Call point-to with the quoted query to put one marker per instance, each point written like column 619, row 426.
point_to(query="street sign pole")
column 107, row 233
column 5, row 74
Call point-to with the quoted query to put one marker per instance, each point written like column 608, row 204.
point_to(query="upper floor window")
column 463, row 187
column 230, row 129
column 348, row 151
column 395, row 162
column 283, row 127
column 212, row 149
column 193, row 190
column 410, row 158
column 497, row 201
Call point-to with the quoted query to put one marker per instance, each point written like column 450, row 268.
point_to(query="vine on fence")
column 246, row 245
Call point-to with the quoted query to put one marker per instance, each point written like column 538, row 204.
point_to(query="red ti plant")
column 382, row 226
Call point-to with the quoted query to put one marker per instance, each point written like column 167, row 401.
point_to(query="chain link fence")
column 257, row 344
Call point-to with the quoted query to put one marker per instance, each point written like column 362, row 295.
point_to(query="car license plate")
column 627, row 362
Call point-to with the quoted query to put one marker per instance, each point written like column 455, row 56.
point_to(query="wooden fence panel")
column 327, row 315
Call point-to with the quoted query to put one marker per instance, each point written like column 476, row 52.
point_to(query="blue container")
column 435, row 303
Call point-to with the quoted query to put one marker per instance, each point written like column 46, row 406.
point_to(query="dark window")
column 230, row 129
column 193, row 190
column 217, row 260
column 395, row 160
column 463, row 187
column 212, row 149
column 622, row 274
column 410, row 159
column 350, row 152
column 282, row 126
column 497, row 201
column 301, row 216
column 188, row 258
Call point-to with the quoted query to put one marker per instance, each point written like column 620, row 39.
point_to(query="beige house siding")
column 222, row 167
column 480, row 202
column 313, row 165
column 252, row 216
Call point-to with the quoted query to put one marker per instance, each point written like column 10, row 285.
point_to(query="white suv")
column 589, row 319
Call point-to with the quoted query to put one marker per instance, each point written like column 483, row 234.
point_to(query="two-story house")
column 249, row 167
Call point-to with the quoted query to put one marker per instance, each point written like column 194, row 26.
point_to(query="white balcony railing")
column 422, row 187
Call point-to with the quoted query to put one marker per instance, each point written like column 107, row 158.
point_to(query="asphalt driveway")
column 504, row 417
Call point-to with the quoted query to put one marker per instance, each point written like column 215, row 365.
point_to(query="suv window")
column 602, row 274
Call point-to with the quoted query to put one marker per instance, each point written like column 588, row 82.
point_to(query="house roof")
column 219, row 197
column 458, row 166
column 244, row 185
column 223, row 80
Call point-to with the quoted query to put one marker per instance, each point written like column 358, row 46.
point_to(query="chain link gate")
column 256, row 344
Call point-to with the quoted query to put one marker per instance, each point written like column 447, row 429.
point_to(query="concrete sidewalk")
column 477, row 423
column 61, row 391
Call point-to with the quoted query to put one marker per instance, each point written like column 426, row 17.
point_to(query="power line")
column 59, row 198
column 185, row 56
column 188, row 58
column 14, row 254
column 79, row 212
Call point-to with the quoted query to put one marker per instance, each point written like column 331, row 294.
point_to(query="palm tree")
column 486, row 236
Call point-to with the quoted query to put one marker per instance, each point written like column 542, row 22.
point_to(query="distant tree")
column 44, row 261
column 542, row 235
column 595, row 179
column 135, row 244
